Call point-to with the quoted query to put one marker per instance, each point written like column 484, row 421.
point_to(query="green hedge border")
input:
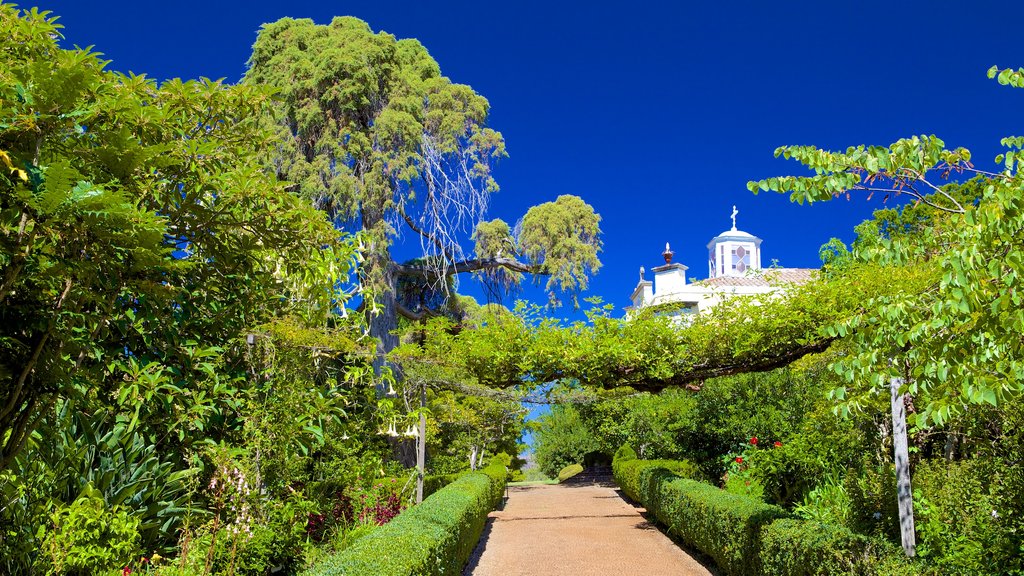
column 745, row 536
column 434, row 538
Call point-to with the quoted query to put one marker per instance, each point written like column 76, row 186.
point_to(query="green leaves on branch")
column 956, row 339
column 562, row 239
column 1008, row 76
column 901, row 168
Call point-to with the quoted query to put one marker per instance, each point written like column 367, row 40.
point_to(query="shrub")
column 434, row 538
column 89, row 538
column 569, row 471
column 725, row 526
column 624, row 453
column 638, row 478
column 957, row 519
column 745, row 536
column 807, row 548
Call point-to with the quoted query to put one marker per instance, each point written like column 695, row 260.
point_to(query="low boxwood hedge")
column 434, row 538
column 639, row 478
column 569, row 471
column 744, row 536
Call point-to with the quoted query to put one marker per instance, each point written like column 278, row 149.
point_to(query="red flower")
column 739, row 460
column 126, row 571
column 754, row 440
column 778, row 444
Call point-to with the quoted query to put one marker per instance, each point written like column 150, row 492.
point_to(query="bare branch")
column 472, row 265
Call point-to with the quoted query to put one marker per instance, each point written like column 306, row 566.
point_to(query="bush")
column 638, row 478
column 807, row 548
column 958, row 529
column 89, row 538
column 624, row 453
column 434, row 538
column 724, row 526
column 745, row 536
column 569, row 471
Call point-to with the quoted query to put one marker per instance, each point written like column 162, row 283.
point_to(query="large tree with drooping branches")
column 371, row 130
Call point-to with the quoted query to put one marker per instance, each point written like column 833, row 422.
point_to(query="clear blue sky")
column 656, row 113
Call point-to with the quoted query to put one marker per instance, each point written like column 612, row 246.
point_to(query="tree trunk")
column 421, row 446
column 904, row 495
column 384, row 320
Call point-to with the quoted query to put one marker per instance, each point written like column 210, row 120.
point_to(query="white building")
column 734, row 269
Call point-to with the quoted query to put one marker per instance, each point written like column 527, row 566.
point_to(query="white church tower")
column 733, row 252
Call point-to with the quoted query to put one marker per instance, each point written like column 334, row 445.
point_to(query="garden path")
column 575, row 530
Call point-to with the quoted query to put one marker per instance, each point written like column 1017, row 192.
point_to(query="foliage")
column 802, row 548
column 143, row 225
column 102, row 455
column 435, row 537
column 654, row 353
column 957, row 520
column 827, row 503
column 562, row 440
column 569, row 471
column 746, row 536
column 952, row 341
column 370, row 130
column 88, row 537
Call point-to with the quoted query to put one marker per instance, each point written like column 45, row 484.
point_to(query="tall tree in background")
column 370, row 129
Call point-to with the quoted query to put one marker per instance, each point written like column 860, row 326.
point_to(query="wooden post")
column 421, row 444
column 901, row 455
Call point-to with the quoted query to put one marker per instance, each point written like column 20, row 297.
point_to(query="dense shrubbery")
column 745, row 536
column 563, row 439
column 433, row 538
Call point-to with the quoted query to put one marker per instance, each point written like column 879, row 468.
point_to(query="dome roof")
column 734, row 233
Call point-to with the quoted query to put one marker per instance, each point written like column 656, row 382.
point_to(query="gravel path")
column 575, row 530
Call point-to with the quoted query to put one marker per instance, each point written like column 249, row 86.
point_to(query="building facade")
column 734, row 269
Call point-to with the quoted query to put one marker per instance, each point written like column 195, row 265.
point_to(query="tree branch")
column 440, row 246
column 703, row 372
column 473, row 265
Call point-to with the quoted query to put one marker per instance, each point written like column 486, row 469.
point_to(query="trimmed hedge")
column 725, row 526
column 434, row 538
column 805, row 548
column 569, row 471
column 744, row 536
column 638, row 478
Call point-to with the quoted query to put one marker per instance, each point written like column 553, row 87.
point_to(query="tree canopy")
column 369, row 128
column 136, row 219
column 955, row 340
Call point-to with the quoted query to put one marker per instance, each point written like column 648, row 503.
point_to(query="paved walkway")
column 575, row 530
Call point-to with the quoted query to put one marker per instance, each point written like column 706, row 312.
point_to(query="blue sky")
column 656, row 113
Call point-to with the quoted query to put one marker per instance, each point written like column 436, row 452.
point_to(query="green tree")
column 954, row 341
column 135, row 222
column 563, row 438
column 370, row 129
